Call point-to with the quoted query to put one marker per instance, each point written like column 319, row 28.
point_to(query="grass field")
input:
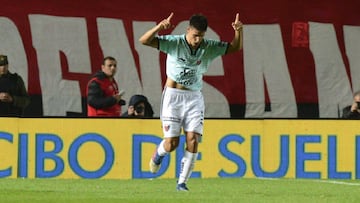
column 163, row 190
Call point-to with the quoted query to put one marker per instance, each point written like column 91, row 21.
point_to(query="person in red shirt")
column 103, row 96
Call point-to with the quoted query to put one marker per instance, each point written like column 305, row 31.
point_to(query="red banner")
column 300, row 58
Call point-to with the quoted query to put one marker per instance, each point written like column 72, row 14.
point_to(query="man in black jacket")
column 13, row 95
column 353, row 111
column 103, row 94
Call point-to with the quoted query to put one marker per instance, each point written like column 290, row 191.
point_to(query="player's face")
column 109, row 68
column 194, row 37
column 357, row 98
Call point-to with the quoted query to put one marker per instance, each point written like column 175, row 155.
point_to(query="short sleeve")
column 216, row 47
column 168, row 43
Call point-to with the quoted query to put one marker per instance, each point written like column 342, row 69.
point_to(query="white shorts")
column 181, row 109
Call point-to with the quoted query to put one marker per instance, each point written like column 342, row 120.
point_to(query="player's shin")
column 159, row 153
column 187, row 166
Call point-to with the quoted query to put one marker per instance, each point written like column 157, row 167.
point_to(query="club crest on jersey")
column 166, row 127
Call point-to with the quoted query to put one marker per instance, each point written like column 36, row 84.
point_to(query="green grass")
column 163, row 190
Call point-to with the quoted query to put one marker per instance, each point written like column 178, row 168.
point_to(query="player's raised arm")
column 236, row 44
column 149, row 37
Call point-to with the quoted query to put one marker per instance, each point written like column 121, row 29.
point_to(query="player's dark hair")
column 108, row 58
column 199, row 22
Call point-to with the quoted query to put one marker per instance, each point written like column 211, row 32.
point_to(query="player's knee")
column 171, row 145
column 192, row 142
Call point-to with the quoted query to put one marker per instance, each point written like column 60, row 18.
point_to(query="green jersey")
column 186, row 66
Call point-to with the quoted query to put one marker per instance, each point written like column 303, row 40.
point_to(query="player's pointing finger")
column 170, row 16
column 237, row 18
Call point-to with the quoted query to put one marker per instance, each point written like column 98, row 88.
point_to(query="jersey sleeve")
column 216, row 47
column 168, row 43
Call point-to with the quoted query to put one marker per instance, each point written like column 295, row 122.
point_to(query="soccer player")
column 188, row 58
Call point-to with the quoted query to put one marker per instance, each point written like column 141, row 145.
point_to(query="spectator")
column 13, row 95
column 139, row 107
column 353, row 111
column 103, row 97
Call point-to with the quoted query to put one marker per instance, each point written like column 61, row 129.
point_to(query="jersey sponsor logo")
column 187, row 77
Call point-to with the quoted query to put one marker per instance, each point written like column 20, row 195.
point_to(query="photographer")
column 353, row 111
column 139, row 107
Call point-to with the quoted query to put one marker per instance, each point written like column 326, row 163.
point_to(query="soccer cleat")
column 155, row 162
column 153, row 166
column 182, row 187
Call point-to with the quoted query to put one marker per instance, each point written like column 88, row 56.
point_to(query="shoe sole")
column 180, row 190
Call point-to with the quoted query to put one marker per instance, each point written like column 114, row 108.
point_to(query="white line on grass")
column 322, row 181
column 338, row 182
